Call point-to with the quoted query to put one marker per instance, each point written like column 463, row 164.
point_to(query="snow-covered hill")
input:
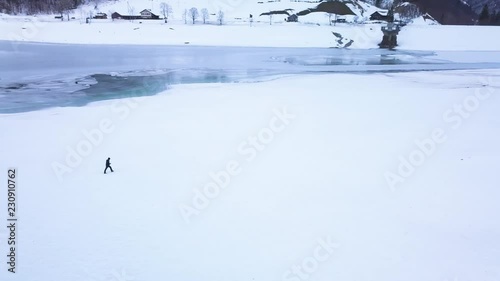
column 425, row 19
column 312, row 30
column 235, row 10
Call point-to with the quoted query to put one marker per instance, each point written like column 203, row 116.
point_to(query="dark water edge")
column 24, row 97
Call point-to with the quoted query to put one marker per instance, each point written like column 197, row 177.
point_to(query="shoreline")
column 291, row 35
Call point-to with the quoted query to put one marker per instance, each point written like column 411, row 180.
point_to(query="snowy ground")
column 326, row 177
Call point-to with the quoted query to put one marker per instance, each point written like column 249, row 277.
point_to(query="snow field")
column 322, row 178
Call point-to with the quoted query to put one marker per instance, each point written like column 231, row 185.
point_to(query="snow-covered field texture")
column 312, row 30
column 352, row 177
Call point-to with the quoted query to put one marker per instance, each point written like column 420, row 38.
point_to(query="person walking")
column 108, row 165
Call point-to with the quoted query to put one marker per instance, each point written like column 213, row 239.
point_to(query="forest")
column 31, row 7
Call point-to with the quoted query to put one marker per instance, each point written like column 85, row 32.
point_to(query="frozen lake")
column 35, row 76
column 397, row 172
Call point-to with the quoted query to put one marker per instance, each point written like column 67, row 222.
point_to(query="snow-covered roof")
column 382, row 13
column 150, row 11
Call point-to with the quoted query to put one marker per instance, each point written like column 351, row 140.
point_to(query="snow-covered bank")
column 317, row 173
column 446, row 37
column 412, row 37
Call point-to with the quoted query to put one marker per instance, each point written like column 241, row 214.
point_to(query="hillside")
column 450, row 12
column 235, row 11
column 445, row 11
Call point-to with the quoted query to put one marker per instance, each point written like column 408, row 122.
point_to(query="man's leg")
column 106, row 169
column 111, row 169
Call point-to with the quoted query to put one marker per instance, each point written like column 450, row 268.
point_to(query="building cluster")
column 145, row 14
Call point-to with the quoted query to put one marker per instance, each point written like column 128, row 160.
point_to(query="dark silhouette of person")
column 108, row 165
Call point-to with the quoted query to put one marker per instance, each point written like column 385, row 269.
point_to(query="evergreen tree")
column 495, row 20
column 484, row 16
column 31, row 7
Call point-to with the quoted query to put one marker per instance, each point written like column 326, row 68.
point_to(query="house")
column 116, row 15
column 379, row 15
column 101, row 16
column 293, row 18
column 145, row 14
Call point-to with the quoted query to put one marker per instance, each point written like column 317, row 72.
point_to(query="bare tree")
column 193, row 14
column 90, row 16
column 166, row 10
column 64, row 7
column 204, row 15
column 220, row 17
column 185, row 16
column 131, row 10
column 96, row 3
column 67, row 12
column 82, row 14
column 334, row 16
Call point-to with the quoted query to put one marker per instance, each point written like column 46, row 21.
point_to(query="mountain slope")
column 447, row 11
column 477, row 5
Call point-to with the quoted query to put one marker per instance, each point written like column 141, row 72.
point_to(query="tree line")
column 193, row 14
column 411, row 10
column 489, row 18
